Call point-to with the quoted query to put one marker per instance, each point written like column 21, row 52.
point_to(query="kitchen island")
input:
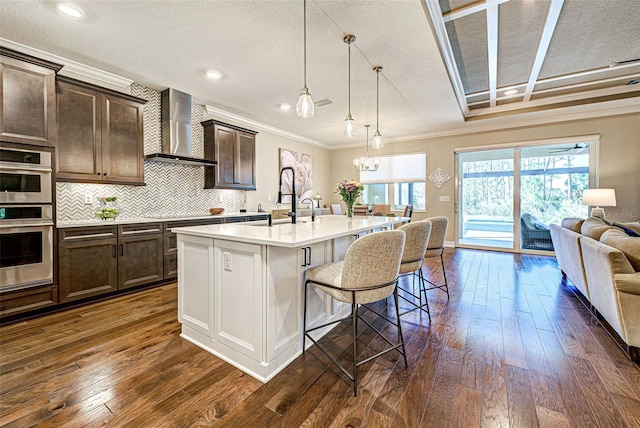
column 240, row 286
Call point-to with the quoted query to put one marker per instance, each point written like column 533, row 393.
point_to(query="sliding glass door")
column 508, row 197
column 486, row 205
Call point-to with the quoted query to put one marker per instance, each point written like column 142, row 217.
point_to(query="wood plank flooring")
column 513, row 347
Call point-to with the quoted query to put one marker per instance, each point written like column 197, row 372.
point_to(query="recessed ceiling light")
column 71, row 11
column 511, row 92
column 285, row 107
column 214, row 75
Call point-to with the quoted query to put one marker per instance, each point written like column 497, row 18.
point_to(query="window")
column 399, row 181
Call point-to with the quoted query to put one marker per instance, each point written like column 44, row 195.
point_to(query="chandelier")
column 364, row 164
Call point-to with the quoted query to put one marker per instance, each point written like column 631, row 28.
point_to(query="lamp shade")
column 599, row 197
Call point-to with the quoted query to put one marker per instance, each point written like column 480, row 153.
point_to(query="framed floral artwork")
column 302, row 165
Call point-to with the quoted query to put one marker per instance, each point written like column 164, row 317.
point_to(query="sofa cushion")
column 572, row 223
column 630, row 246
column 594, row 227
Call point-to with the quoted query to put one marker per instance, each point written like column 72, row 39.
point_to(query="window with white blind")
column 400, row 180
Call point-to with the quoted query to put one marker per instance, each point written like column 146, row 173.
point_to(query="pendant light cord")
column 349, row 79
column 378, row 100
column 305, row 43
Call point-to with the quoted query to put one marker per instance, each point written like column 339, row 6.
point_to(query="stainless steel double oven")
column 26, row 218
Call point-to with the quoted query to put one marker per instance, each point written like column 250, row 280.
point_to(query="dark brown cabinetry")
column 28, row 299
column 88, row 262
column 234, row 149
column 102, row 259
column 140, row 248
column 27, row 99
column 100, row 136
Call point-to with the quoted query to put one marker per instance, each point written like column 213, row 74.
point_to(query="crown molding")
column 74, row 69
column 621, row 107
column 253, row 124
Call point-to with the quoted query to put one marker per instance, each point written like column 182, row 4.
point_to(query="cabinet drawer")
column 30, row 299
column 94, row 232
column 139, row 229
column 170, row 244
column 171, row 266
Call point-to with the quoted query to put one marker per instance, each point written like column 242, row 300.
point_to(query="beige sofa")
column 603, row 262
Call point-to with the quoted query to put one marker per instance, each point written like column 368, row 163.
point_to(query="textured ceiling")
column 257, row 45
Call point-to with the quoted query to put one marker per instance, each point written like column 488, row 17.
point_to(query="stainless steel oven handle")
column 25, row 224
column 25, row 168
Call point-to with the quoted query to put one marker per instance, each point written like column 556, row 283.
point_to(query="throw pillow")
column 633, row 225
column 630, row 246
column 572, row 223
column 594, row 227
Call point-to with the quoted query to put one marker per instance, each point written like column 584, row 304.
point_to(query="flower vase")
column 349, row 211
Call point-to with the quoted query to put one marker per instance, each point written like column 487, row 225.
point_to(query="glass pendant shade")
column 377, row 143
column 349, row 126
column 305, row 107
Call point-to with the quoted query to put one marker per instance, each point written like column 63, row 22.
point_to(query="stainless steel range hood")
column 176, row 131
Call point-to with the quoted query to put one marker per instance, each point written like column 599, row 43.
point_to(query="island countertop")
column 285, row 234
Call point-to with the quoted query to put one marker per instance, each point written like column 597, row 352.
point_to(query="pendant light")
column 365, row 164
column 305, row 107
column 377, row 142
column 349, row 123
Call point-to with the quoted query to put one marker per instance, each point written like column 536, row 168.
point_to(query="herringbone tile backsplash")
column 170, row 189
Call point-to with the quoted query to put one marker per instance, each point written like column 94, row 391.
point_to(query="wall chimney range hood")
column 176, row 131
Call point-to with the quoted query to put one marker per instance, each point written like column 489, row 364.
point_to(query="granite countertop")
column 150, row 219
column 285, row 234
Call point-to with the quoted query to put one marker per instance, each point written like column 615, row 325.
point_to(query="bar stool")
column 435, row 248
column 369, row 273
column 415, row 247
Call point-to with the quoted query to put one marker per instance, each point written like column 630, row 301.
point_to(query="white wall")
column 619, row 159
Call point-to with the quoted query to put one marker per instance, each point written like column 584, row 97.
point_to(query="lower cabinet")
column 19, row 301
column 141, row 255
column 88, row 262
column 98, row 260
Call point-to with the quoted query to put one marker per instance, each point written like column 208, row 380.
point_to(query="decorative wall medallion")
column 439, row 177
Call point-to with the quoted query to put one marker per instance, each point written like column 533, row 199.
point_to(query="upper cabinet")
column 234, row 150
column 28, row 99
column 100, row 135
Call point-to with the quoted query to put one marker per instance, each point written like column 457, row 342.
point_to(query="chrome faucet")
column 313, row 211
column 291, row 213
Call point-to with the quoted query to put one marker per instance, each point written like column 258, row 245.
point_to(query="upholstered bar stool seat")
column 417, row 237
column 369, row 273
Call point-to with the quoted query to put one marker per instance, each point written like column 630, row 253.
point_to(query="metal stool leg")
column 404, row 353
column 354, row 322
column 444, row 274
column 304, row 318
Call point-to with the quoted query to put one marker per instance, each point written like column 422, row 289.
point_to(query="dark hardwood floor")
column 512, row 347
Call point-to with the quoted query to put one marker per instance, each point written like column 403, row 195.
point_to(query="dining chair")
column 381, row 209
column 369, row 273
column 361, row 210
column 408, row 211
column 336, row 209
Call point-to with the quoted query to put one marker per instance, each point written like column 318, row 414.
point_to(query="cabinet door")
column 87, row 268
column 245, row 177
column 225, row 155
column 27, row 103
column 141, row 260
column 122, row 141
column 78, row 154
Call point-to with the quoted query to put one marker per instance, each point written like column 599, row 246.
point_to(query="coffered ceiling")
column 446, row 63
column 525, row 55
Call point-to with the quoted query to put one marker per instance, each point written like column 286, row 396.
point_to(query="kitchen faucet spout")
column 313, row 211
column 291, row 213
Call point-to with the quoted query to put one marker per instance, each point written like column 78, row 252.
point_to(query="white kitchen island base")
column 240, row 287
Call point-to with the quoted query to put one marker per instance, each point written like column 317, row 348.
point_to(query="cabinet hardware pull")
column 114, row 250
column 304, row 257
column 121, row 250
column 309, row 262
column 97, row 173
